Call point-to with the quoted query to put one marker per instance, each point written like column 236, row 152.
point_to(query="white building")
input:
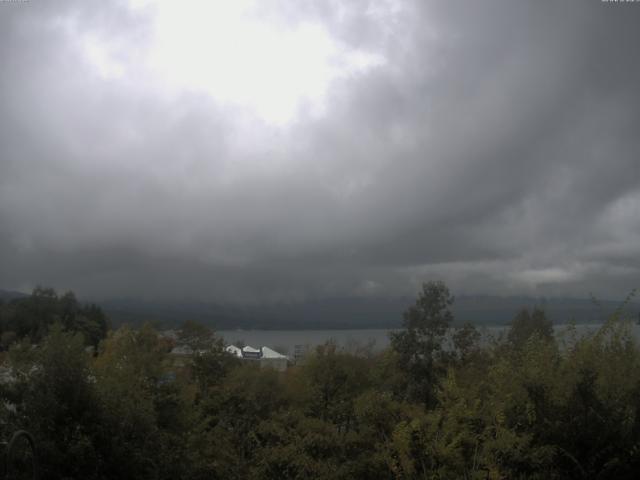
column 265, row 355
column 272, row 359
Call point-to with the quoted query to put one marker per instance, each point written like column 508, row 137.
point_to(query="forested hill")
column 353, row 312
column 346, row 312
column 31, row 317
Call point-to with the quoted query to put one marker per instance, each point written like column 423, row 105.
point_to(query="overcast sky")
column 291, row 149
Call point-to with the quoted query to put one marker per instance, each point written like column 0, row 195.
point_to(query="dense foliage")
column 434, row 405
column 33, row 316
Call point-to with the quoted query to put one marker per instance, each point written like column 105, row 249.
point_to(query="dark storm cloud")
column 496, row 146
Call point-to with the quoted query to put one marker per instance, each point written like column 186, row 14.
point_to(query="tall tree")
column 419, row 344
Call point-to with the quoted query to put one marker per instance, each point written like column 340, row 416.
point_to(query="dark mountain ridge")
column 7, row 295
column 354, row 312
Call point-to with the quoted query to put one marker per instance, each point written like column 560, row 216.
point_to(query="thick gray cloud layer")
column 493, row 144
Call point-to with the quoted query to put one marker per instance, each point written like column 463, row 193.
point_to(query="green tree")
column 224, row 444
column 335, row 379
column 142, row 428
column 525, row 325
column 419, row 345
column 34, row 315
column 58, row 403
column 196, row 335
column 466, row 341
column 209, row 368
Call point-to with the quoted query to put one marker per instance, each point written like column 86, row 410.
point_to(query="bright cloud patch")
column 241, row 60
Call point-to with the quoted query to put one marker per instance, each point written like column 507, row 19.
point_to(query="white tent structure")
column 233, row 350
column 272, row 359
column 265, row 355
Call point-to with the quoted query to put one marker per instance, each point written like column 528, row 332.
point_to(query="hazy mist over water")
column 285, row 341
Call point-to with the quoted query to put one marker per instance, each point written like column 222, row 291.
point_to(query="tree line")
column 439, row 403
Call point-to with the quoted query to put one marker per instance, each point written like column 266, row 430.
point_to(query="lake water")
column 285, row 341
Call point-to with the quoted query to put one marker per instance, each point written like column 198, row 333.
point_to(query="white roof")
column 268, row 353
column 233, row 350
column 265, row 352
